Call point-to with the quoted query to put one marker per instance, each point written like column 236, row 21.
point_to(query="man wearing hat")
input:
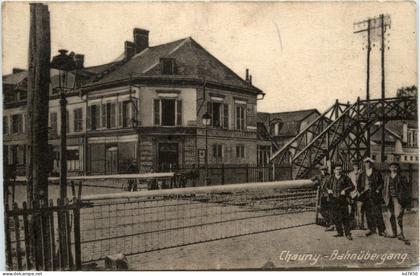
column 339, row 187
column 324, row 204
column 396, row 197
column 358, row 211
column 370, row 187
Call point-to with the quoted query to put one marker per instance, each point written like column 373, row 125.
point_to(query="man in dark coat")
column 396, row 198
column 132, row 183
column 339, row 187
column 370, row 192
column 324, row 203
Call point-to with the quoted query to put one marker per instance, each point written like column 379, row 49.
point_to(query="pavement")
column 304, row 247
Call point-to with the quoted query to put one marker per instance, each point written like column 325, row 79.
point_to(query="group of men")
column 348, row 201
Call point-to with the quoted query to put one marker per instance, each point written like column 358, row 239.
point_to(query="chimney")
column 141, row 39
column 17, row 70
column 129, row 50
column 405, row 132
column 247, row 74
column 250, row 79
column 79, row 60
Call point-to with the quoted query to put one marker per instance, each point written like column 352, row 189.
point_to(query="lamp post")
column 206, row 122
column 64, row 64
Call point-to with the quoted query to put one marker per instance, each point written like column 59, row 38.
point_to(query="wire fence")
column 132, row 223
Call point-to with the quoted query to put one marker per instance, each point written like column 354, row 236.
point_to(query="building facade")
column 144, row 109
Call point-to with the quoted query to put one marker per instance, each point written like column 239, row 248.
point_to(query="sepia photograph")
column 209, row 136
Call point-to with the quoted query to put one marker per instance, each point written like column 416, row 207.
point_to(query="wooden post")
column 17, row 236
column 52, row 231
column 9, row 262
column 223, row 173
column 27, row 240
column 247, row 173
column 37, row 110
column 410, row 183
column 77, row 240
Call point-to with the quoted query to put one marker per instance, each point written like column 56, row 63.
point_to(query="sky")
column 301, row 54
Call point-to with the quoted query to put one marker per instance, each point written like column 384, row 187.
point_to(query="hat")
column 368, row 159
column 323, row 167
column 355, row 162
column 394, row 164
column 338, row 164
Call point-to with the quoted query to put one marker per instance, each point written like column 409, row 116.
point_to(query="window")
column 53, row 122
column 405, row 157
column 78, row 119
column 240, row 117
column 263, row 155
column 109, row 115
column 219, row 113
column 412, row 137
column 73, row 160
column 167, row 66
column 167, row 112
column 23, row 95
column 374, row 157
column 240, row 151
column 156, row 109
column 218, row 152
column 18, row 154
column 126, row 111
column 17, row 123
column 411, row 158
column 5, row 125
column 93, row 117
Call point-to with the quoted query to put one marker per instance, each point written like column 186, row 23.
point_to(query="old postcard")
column 210, row 136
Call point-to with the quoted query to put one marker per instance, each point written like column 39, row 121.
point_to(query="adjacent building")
column 145, row 108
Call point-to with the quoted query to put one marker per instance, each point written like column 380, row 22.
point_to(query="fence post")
column 17, row 236
column 52, row 232
column 247, row 173
column 28, row 252
column 410, row 183
column 61, row 235
column 68, row 234
column 77, row 245
column 223, row 173
column 8, row 241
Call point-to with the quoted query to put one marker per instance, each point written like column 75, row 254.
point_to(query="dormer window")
column 167, row 66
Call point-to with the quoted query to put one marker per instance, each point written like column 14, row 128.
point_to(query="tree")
column 409, row 91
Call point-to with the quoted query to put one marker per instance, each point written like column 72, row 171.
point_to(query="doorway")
column 111, row 160
column 168, row 155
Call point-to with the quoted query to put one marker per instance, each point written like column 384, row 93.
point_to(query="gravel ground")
column 274, row 250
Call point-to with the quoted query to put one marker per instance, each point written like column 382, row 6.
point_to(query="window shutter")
column 75, row 119
column 103, row 115
column 113, row 111
column 24, row 121
column 210, row 111
column 156, row 111
column 5, row 125
column 179, row 113
column 120, row 114
column 135, row 111
column 97, row 115
column 20, row 123
column 226, row 116
column 250, row 115
column 88, row 118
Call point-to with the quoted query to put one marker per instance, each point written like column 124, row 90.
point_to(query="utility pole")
column 371, row 26
column 383, row 157
column 37, row 108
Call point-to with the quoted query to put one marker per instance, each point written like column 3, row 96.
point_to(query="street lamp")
column 206, row 122
column 64, row 64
